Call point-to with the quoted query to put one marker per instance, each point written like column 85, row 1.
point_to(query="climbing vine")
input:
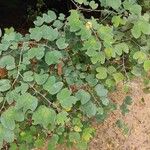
column 55, row 80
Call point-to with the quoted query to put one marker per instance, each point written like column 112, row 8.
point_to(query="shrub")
column 56, row 78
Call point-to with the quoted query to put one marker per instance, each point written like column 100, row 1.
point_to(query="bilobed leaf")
column 7, row 61
column 28, row 76
column 74, row 137
column 9, row 117
column 140, row 56
column 136, row 31
column 62, row 118
column 101, row 91
column 44, row 116
column 58, row 24
column 4, row 85
column 83, row 96
column 55, row 88
column 74, row 21
column 118, row 77
column 26, row 102
column 65, row 99
column 35, row 33
column 93, row 5
column 102, row 72
column 52, row 16
column 121, row 47
column 36, row 52
column 61, row 44
column 117, row 20
column 40, row 78
column 89, row 109
column 49, row 33
column 111, row 70
column 52, row 86
column 53, row 57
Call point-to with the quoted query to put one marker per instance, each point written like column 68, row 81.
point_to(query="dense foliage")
column 55, row 80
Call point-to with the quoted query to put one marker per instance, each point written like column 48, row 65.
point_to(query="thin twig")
column 18, row 68
column 92, row 10
column 36, row 91
column 3, row 105
column 124, row 69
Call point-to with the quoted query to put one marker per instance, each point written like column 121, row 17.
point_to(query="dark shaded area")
column 15, row 12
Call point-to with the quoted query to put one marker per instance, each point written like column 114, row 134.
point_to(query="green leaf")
column 52, row 16
column 92, row 46
column 128, row 100
column 147, row 65
column 132, row 6
column 49, row 33
column 74, row 137
column 89, row 109
column 4, row 85
column 92, row 81
column 39, row 143
column 35, row 33
column 26, row 102
column 102, row 72
column 61, row 17
column 6, row 135
column 140, row 27
column 28, row 76
column 118, row 77
column 115, row 4
column 120, row 48
column 36, row 52
column 87, row 134
column 7, row 61
column 58, row 24
column 101, row 91
column 79, row 1
column 111, row 70
column 48, row 18
column 9, row 117
column 61, row 43
column 51, row 86
column 74, row 21
column 83, row 96
column 110, row 52
column 53, row 142
column 82, row 145
column 140, row 56
column 117, row 20
column 136, row 31
column 40, row 78
column 105, row 101
column 44, row 116
column 65, row 99
column 62, row 118
column 93, row 5
column 53, row 57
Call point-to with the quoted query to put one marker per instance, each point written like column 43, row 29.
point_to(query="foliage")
column 58, row 76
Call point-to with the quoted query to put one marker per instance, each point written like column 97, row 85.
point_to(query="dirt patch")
column 109, row 137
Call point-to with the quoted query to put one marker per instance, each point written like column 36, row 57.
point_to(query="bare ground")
column 109, row 137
